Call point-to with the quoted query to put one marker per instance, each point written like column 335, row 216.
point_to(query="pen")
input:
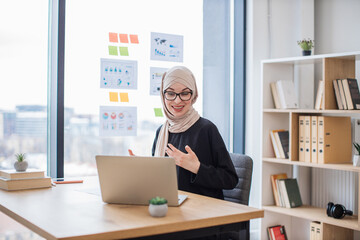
column 68, row 181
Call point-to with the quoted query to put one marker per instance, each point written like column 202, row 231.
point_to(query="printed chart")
column 155, row 80
column 118, row 74
column 166, row 47
column 118, row 121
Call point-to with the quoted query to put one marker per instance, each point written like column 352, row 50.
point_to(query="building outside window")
column 23, row 84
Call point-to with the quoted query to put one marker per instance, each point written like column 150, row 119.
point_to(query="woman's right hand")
column 131, row 152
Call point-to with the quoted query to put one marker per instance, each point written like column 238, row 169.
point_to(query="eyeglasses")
column 184, row 96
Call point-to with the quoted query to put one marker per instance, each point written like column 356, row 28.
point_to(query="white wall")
column 337, row 26
column 273, row 27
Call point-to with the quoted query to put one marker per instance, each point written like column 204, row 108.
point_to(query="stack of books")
column 347, row 93
column 325, row 139
column 280, row 142
column 284, row 94
column 31, row 178
column 286, row 191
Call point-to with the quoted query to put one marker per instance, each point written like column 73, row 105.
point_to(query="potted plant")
column 158, row 207
column 356, row 157
column 306, row 46
column 20, row 164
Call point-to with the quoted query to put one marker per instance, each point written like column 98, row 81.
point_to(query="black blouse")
column 216, row 170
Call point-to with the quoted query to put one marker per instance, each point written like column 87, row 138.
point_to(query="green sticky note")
column 158, row 112
column 113, row 50
column 124, row 51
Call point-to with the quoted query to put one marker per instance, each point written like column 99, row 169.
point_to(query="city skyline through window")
column 23, row 85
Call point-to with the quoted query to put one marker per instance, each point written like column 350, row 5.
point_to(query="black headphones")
column 337, row 211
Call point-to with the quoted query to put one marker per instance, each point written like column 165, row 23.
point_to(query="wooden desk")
column 71, row 211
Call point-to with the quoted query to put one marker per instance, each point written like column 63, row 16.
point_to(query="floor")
column 11, row 230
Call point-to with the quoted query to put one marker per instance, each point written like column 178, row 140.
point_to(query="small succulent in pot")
column 158, row 207
column 306, row 45
column 21, row 164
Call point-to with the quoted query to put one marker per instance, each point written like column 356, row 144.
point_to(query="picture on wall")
column 118, row 121
column 155, row 80
column 167, row 47
column 118, row 74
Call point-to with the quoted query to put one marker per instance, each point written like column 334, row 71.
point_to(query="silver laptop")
column 136, row 180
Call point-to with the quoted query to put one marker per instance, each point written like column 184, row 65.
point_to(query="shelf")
column 340, row 166
column 316, row 214
column 333, row 111
column 313, row 58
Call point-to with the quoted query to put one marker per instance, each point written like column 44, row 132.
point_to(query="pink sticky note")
column 113, row 37
column 124, row 38
column 134, row 38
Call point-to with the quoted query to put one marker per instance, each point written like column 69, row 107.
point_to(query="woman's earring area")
column 337, row 211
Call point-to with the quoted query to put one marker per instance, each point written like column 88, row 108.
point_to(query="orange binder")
column 334, row 139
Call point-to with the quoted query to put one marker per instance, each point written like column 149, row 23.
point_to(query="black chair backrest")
column 244, row 168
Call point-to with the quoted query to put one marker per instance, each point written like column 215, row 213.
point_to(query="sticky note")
column 124, row 51
column 114, row 96
column 113, row 50
column 124, row 97
column 134, row 38
column 158, row 112
column 124, row 38
column 113, row 37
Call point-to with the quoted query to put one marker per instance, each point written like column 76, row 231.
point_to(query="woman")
column 203, row 162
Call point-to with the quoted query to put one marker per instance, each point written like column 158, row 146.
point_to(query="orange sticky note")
column 114, row 96
column 124, row 38
column 113, row 37
column 124, row 97
column 134, row 38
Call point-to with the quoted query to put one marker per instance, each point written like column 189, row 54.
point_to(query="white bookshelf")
column 301, row 70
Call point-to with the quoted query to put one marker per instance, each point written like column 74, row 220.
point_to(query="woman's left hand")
column 188, row 160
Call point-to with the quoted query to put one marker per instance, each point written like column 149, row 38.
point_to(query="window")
column 87, row 41
column 23, row 85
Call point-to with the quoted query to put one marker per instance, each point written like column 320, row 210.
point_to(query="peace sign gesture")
column 188, row 161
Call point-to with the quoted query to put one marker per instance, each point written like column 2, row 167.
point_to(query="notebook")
column 136, row 180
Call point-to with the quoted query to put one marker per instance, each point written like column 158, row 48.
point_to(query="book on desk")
column 32, row 178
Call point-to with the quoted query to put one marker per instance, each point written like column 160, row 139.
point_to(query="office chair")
column 240, row 194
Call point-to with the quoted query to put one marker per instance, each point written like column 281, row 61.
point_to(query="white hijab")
column 183, row 75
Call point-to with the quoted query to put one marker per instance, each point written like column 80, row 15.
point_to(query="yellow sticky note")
column 158, row 112
column 124, row 97
column 114, row 96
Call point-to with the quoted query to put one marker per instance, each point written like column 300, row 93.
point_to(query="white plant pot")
column 158, row 210
column 20, row 166
column 356, row 160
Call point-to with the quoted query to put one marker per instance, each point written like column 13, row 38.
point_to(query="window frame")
column 56, row 72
